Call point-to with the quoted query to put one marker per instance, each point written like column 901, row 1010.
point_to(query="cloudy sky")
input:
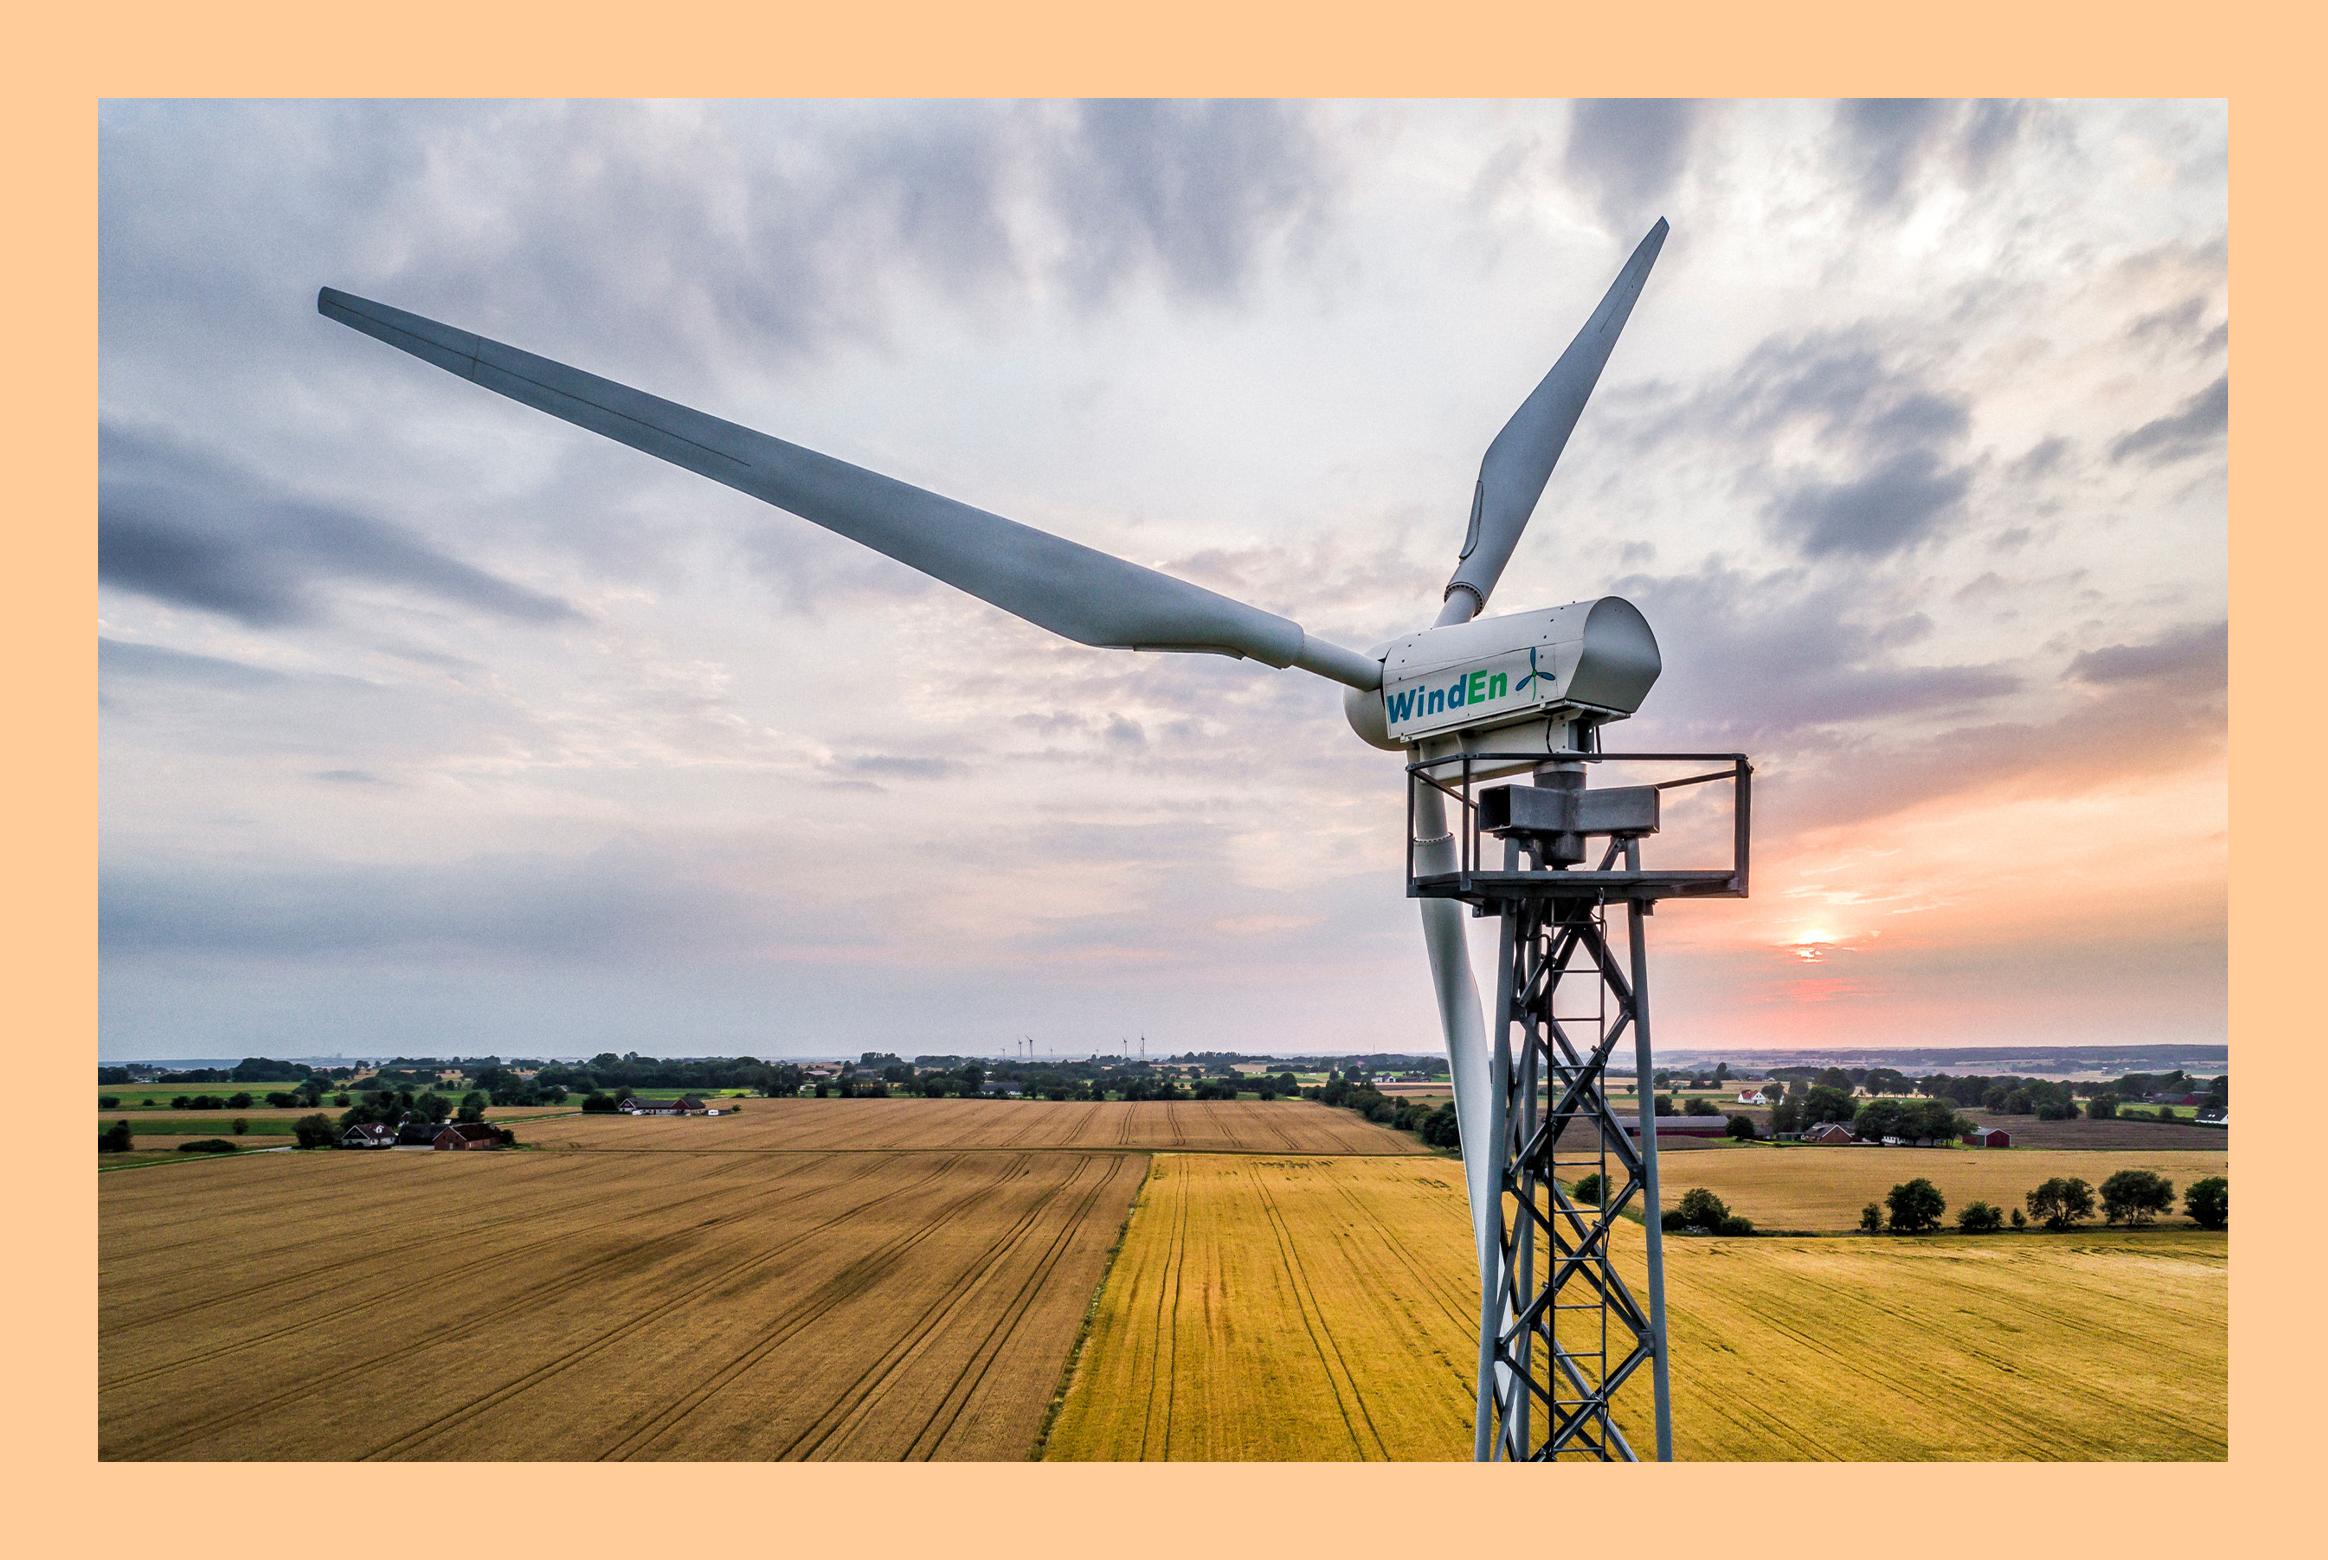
column 431, row 724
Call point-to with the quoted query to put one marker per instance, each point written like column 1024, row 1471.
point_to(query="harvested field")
column 1822, row 1189
column 2142, row 1136
column 574, row 1306
column 1216, row 1126
column 1320, row 1308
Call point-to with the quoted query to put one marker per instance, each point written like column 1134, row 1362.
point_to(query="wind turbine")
column 1523, row 692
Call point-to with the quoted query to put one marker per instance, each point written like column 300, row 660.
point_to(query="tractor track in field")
column 276, row 1288
column 848, row 1284
column 1312, row 1314
column 564, row 1237
column 459, row 1328
column 998, row 1336
column 857, row 1400
column 529, row 1379
column 1167, row 1329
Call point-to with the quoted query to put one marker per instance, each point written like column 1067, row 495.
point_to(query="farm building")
column 688, row 1106
column 466, row 1134
column 369, row 1134
column 1988, row 1137
column 2214, row 1116
column 1831, row 1132
column 1752, row 1097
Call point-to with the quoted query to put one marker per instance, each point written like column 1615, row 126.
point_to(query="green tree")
column 472, row 1107
column 1825, row 1102
column 1915, row 1206
column 1741, row 1128
column 2102, row 1107
column 2136, row 1196
column 1871, row 1218
column 2061, row 1202
column 2020, row 1220
column 242, row 1126
column 1934, row 1121
column 2208, row 1202
column 315, row 1131
column 1980, row 1218
column 1701, row 1209
column 1880, row 1119
column 1588, row 1190
column 115, row 1139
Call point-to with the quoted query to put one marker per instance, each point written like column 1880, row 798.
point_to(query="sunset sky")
column 430, row 724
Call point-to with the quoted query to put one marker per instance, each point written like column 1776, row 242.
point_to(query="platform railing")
column 1459, row 777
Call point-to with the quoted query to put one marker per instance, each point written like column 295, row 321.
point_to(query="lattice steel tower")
column 1562, row 1329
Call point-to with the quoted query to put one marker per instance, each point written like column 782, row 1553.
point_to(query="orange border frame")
column 66, row 61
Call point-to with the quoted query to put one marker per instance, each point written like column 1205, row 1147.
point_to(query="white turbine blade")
column 1520, row 461
column 1073, row 590
column 1471, row 1067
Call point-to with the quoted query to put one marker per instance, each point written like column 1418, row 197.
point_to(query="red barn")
column 466, row 1134
column 1831, row 1132
column 1988, row 1137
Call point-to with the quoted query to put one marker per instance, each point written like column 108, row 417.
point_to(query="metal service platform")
column 1476, row 791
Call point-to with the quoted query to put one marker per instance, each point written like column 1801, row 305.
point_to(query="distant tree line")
column 251, row 1069
column 2129, row 1197
column 1812, row 1095
column 1434, row 1124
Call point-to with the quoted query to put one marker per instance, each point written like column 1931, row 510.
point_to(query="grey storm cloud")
column 118, row 659
column 1188, row 191
column 1760, row 657
column 894, row 766
column 721, row 232
column 195, row 531
column 1886, row 144
column 1889, row 434
column 2190, row 429
column 1630, row 152
column 1895, row 506
column 2195, row 656
column 2177, row 322
column 2041, row 459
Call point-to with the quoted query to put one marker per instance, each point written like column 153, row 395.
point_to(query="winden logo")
column 1421, row 702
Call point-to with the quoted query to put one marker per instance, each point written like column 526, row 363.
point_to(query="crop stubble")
column 1291, row 1308
column 795, row 1125
column 686, row 1306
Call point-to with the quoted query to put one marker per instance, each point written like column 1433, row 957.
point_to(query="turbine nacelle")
column 1521, row 681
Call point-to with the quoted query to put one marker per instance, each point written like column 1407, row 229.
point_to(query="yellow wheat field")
column 1268, row 1307
column 1825, row 1188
